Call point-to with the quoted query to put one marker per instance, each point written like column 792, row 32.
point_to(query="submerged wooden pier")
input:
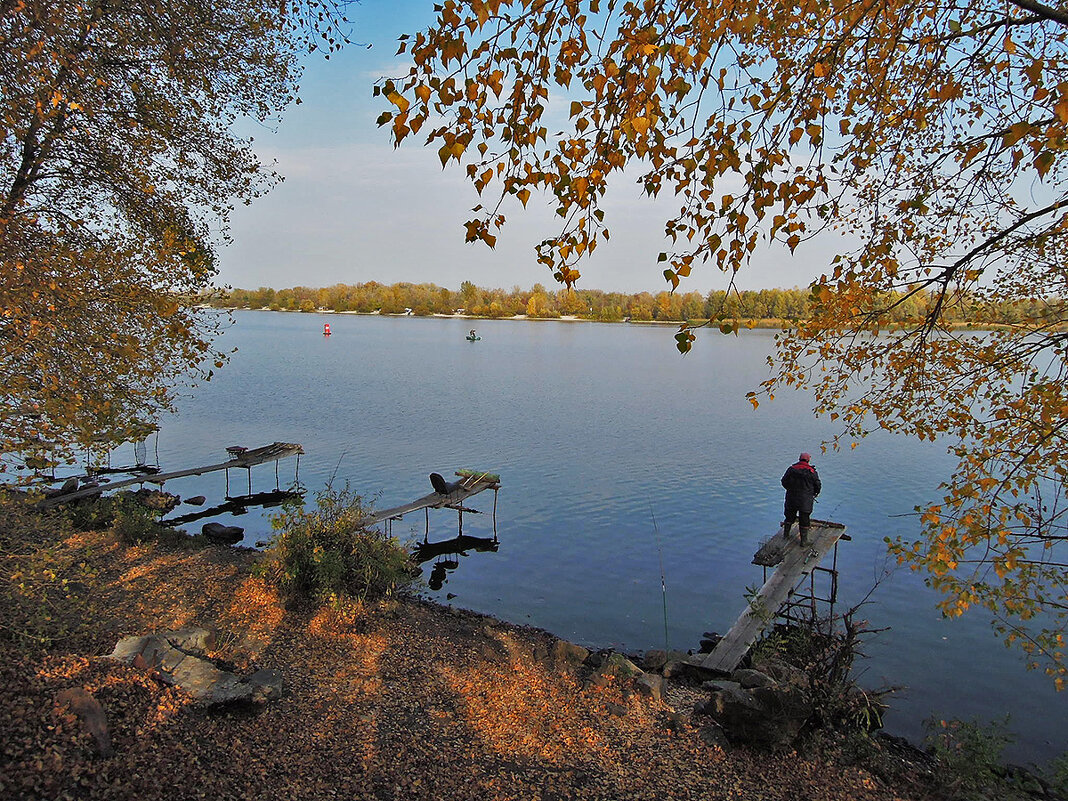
column 240, row 457
column 796, row 564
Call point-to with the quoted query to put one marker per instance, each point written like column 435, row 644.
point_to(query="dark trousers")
column 802, row 517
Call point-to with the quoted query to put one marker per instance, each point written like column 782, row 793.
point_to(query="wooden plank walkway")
column 796, row 563
column 249, row 458
column 470, row 485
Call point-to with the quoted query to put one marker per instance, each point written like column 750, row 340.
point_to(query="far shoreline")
column 765, row 323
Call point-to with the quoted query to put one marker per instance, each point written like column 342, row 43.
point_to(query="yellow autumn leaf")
column 398, row 100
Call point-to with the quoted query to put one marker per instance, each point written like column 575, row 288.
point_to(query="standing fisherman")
column 802, row 485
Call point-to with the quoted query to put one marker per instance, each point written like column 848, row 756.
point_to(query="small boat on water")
column 473, row 337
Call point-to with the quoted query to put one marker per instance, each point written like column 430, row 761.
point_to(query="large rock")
column 650, row 685
column 770, row 717
column 654, row 660
column 709, row 642
column 177, row 658
column 222, row 535
column 69, row 486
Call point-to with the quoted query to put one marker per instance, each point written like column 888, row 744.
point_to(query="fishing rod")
column 337, row 467
column 663, row 583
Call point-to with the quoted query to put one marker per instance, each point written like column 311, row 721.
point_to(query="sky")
column 353, row 209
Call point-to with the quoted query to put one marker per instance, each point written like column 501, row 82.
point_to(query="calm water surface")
column 597, row 431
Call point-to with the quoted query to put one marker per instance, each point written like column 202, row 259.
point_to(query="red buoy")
column 326, row 329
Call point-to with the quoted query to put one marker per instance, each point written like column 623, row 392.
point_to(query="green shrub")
column 324, row 553
column 21, row 523
column 133, row 523
column 42, row 586
column 823, row 653
column 130, row 516
column 969, row 752
column 92, row 514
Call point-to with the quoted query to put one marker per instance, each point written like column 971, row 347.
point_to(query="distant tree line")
column 595, row 304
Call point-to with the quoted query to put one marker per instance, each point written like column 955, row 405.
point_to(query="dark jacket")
column 802, row 485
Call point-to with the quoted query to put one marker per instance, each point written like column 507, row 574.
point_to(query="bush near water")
column 325, row 552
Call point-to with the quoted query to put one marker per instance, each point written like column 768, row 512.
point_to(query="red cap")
column 806, row 457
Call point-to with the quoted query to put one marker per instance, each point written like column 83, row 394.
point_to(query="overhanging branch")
column 1044, row 11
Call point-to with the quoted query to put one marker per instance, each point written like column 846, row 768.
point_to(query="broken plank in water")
column 472, row 483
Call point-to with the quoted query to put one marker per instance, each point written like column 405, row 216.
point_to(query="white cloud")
column 353, row 208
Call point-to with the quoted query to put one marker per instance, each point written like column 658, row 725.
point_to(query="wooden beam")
column 268, row 453
column 797, row 562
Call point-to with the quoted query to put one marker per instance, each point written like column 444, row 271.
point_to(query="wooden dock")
column 797, row 563
column 470, row 484
column 274, row 452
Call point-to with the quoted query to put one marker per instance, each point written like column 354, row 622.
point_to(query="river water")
column 616, row 456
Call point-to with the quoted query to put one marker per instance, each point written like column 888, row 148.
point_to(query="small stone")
column 493, row 651
column 618, row 665
column 709, row 643
column 88, row 710
column 540, row 652
column 750, row 678
column 567, row 653
column 596, row 680
column 676, row 721
column 654, row 660
column 650, row 685
column 196, row 500
column 616, row 709
column 711, row 733
column 672, row 669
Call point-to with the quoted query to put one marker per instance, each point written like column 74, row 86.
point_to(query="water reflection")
column 239, row 505
column 447, row 554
